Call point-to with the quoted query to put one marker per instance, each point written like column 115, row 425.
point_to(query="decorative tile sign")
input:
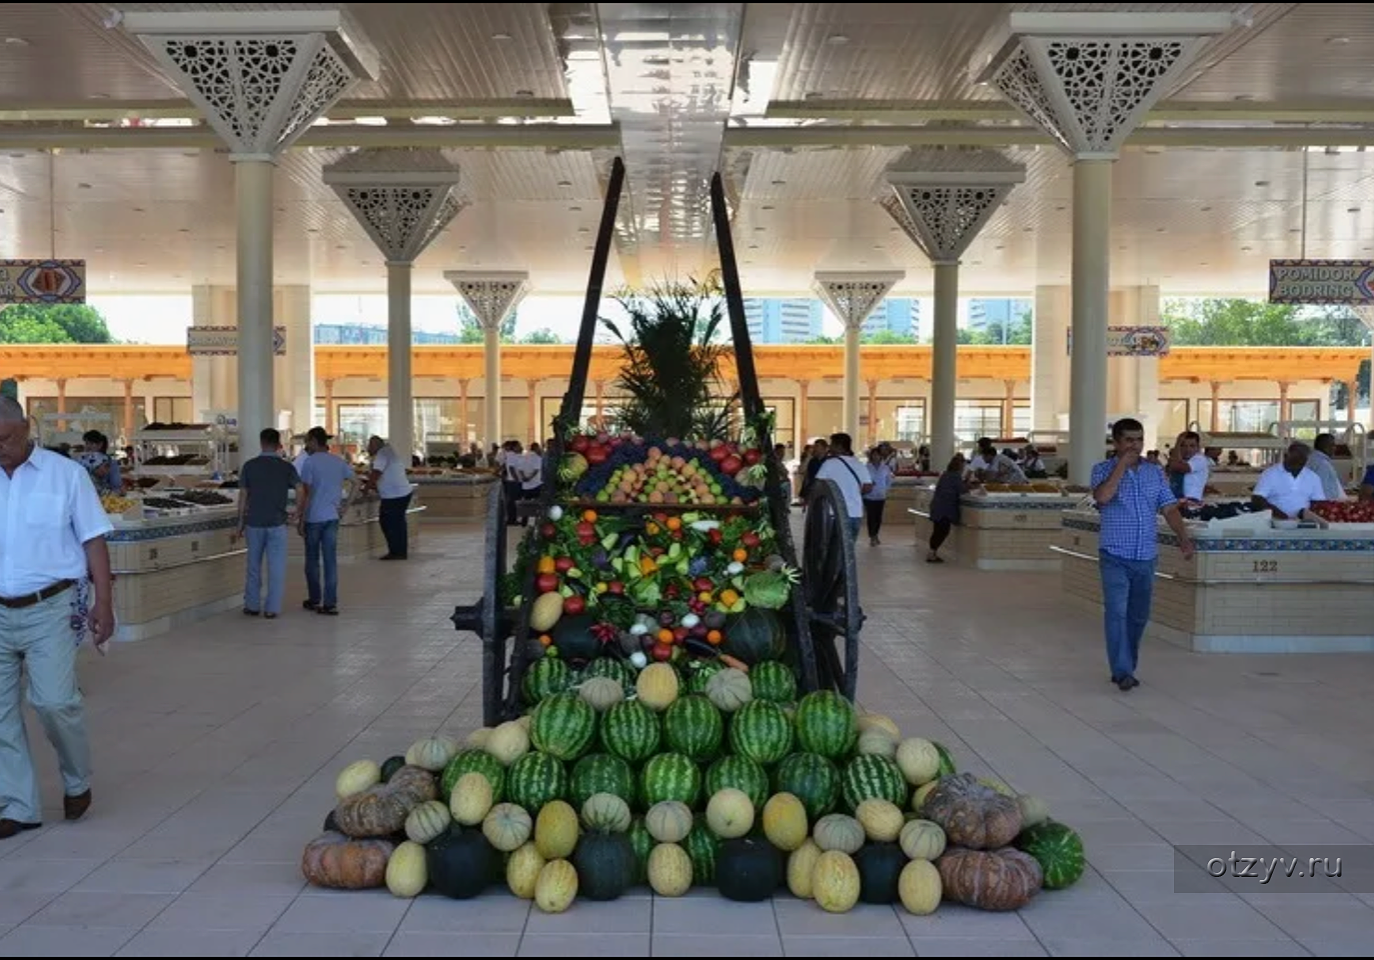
column 1348, row 282
column 224, row 341
column 1134, row 341
column 42, row 281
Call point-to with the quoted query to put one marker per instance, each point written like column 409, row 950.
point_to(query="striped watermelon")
column 774, row 681
column 702, row 846
column 812, row 779
column 670, row 776
column 643, row 843
column 563, row 726
column 474, row 761
column 698, row 672
column 617, row 670
column 871, row 776
column 759, row 730
column 741, row 773
column 536, row 779
column 601, row 773
column 1059, row 851
column 826, row 725
column 692, row 727
column 545, row 677
column 631, row 731
column 947, row 767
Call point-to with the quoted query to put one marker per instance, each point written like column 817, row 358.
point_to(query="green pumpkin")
column 390, row 767
column 880, row 870
column 606, row 865
column 755, row 636
column 461, row 863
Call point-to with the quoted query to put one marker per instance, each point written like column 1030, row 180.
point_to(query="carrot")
column 730, row 661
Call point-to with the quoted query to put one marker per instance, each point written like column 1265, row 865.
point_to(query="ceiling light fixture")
column 83, row 186
column 16, row 42
column 1261, row 183
column 526, row 94
column 1337, row 41
column 1352, row 209
column 837, row 39
column 501, row 37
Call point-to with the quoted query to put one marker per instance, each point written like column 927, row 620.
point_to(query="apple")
column 702, row 585
column 597, row 454
column 616, row 587
column 750, row 539
column 546, row 582
column 574, row 605
column 585, row 529
column 752, row 456
column 563, row 564
column 580, row 443
column 548, row 531
column 731, row 465
column 662, row 652
column 719, row 453
column 679, row 634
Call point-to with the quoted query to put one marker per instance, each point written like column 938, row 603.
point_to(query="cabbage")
column 768, row 589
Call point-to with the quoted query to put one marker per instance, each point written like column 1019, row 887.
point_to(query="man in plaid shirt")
column 1129, row 494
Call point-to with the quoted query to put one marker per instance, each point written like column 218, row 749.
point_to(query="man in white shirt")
column 1188, row 467
column 850, row 475
column 989, row 466
column 1323, row 448
column 1288, row 488
column 388, row 478
column 52, row 537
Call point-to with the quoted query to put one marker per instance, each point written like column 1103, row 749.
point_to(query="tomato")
column 574, row 605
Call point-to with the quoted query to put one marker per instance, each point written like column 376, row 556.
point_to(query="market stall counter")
column 1001, row 529
column 453, row 494
column 175, row 559
column 1255, row 585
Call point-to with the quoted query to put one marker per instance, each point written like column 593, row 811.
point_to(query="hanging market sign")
column 42, row 281
column 1348, row 282
column 1133, row 341
column 224, row 341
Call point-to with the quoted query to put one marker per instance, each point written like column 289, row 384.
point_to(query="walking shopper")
column 1130, row 494
column 880, row 470
column 850, row 475
column 944, row 505
column 265, row 485
column 52, row 537
column 326, row 476
column 388, row 478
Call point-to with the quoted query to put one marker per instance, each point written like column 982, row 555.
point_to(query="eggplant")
column 714, row 620
column 701, row 648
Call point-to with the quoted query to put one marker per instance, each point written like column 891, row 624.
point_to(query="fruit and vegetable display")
column 1344, row 511
column 683, row 779
column 1216, row 511
column 114, row 503
column 627, row 469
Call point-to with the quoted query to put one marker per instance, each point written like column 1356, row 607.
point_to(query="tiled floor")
column 216, row 751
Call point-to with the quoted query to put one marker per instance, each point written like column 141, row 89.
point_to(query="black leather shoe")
column 12, row 828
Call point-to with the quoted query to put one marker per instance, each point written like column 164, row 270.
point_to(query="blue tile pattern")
column 140, row 534
column 1277, row 544
column 1030, row 503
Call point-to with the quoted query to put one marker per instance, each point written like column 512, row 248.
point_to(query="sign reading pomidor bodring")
column 1321, row 281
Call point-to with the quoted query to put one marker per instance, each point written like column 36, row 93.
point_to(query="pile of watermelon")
column 710, row 776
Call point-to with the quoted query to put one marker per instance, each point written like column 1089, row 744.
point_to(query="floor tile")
column 584, row 945
column 407, row 944
column 847, row 947
column 191, row 943
column 69, row 941
column 321, row 945
column 710, row 945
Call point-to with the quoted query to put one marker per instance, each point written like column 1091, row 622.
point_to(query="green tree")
column 541, row 336
column 470, row 328
column 888, row 338
column 53, row 323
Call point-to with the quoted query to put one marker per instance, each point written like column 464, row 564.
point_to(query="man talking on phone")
column 1130, row 493
column 52, row 536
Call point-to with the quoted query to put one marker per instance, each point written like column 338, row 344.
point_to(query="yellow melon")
column 835, row 882
column 670, row 870
column 556, row 830
column 657, row 686
column 920, row 887
column 801, row 869
column 522, row 871
column 556, row 887
column 784, row 822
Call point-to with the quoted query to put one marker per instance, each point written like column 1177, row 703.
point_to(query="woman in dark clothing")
column 944, row 505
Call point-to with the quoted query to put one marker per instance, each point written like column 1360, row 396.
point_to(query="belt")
column 30, row 599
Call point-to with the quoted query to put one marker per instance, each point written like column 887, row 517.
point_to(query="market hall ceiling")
column 803, row 106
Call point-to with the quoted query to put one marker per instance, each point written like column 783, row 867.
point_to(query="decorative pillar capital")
column 261, row 78
column 403, row 198
column 942, row 198
column 490, row 296
column 1088, row 79
column 853, row 296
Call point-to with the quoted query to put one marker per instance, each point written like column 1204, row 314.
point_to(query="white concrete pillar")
column 1050, row 358
column 944, row 368
column 1133, row 382
column 491, row 396
column 850, row 407
column 296, row 370
column 1092, row 217
column 491, row 297
column 400, row 398
column 256, row 400
column 214, row 379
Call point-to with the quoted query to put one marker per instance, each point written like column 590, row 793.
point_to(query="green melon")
column 871, row 776
column 631, row 731
column 474, row 761
column 812, row 779
column 1059, row 851
column 759, row 730
column 739, row 773
column 670, row 776
column 773, row 681
column 601, row 773
column 536, row 779
column 692, row 726
column 827, row 725
column 563, row 726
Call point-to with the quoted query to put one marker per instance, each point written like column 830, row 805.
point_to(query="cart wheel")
column 486, row 618
column 831, row 586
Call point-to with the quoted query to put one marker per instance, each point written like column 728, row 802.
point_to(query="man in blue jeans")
column 326, row 476
column 265, row 485
column 1130, row 494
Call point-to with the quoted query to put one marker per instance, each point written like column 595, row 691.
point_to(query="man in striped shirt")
column 1130, row 494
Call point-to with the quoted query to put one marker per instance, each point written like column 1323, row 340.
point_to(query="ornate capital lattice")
column 942, row 198
column 402, row 198
column 491, row 296
column 853, row 296
column 261, row 78
column 1088, row 79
